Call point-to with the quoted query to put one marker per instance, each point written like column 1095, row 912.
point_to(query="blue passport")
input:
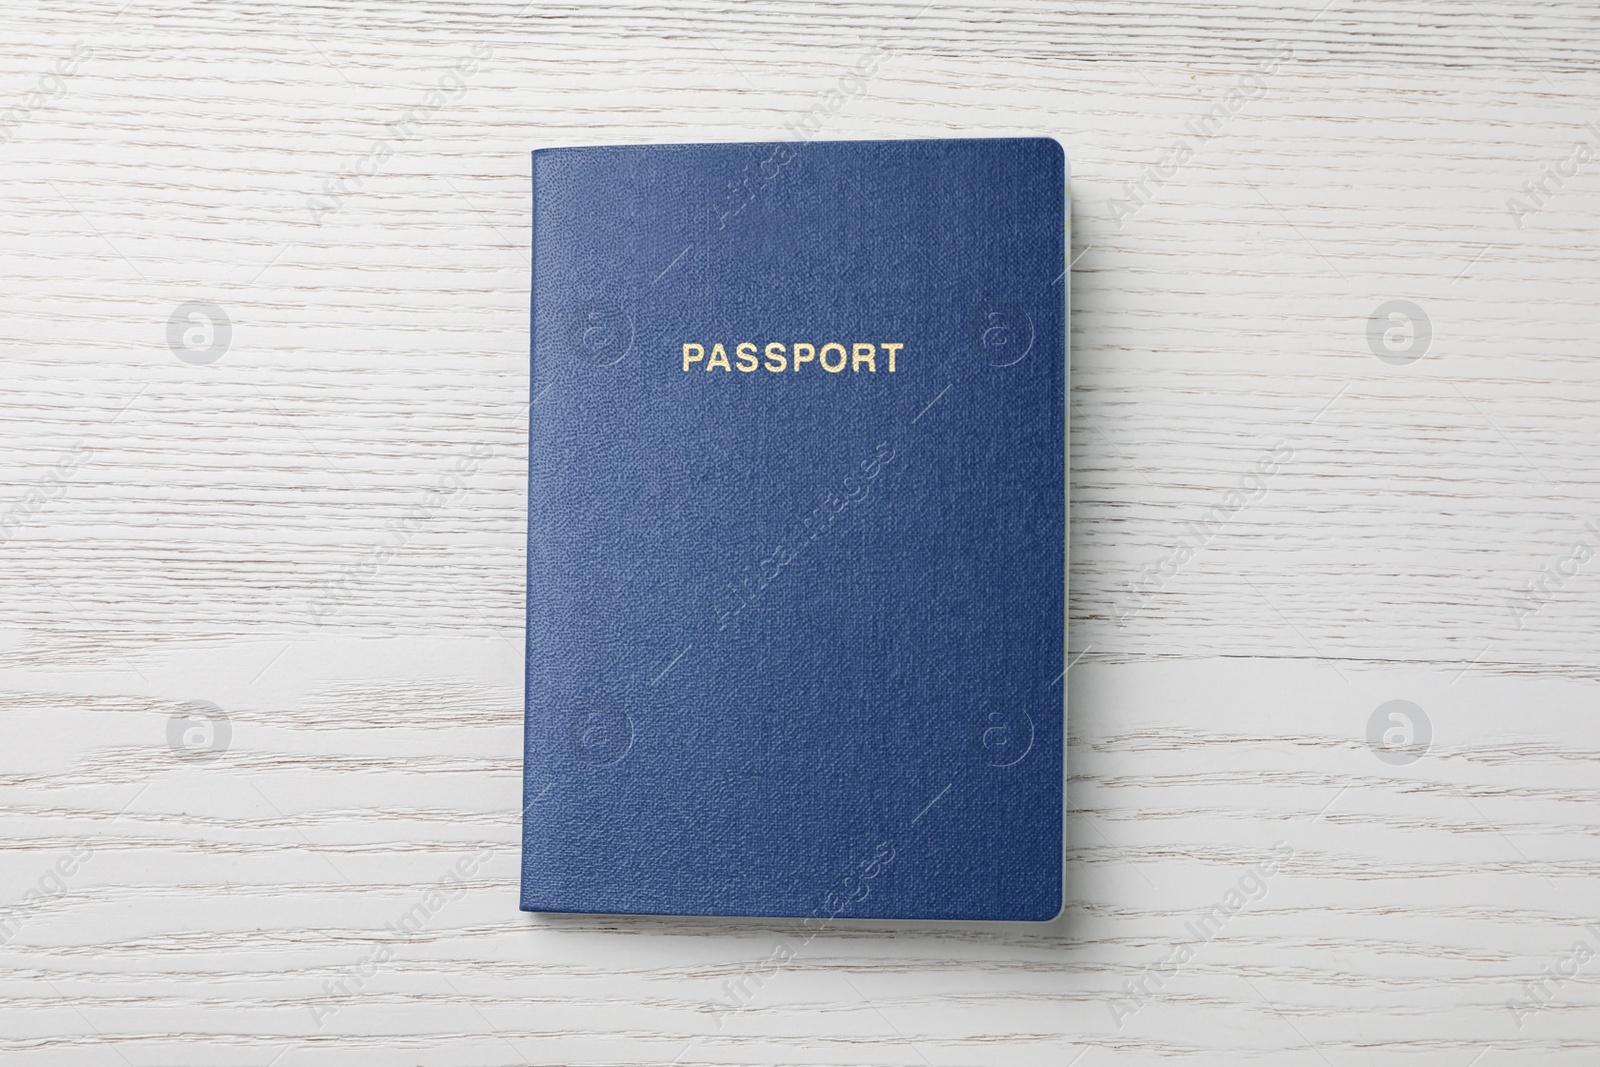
column 797, row 530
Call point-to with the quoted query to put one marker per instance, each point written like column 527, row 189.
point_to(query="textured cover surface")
column 795, row 637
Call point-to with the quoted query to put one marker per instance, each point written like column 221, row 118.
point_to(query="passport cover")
column 797, row 530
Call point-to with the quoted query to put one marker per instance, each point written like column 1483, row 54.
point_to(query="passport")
column 797, row 530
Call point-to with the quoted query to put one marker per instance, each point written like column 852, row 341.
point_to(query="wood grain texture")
column 177, row 533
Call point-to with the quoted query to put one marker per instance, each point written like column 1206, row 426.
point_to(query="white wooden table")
column 261, row 684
